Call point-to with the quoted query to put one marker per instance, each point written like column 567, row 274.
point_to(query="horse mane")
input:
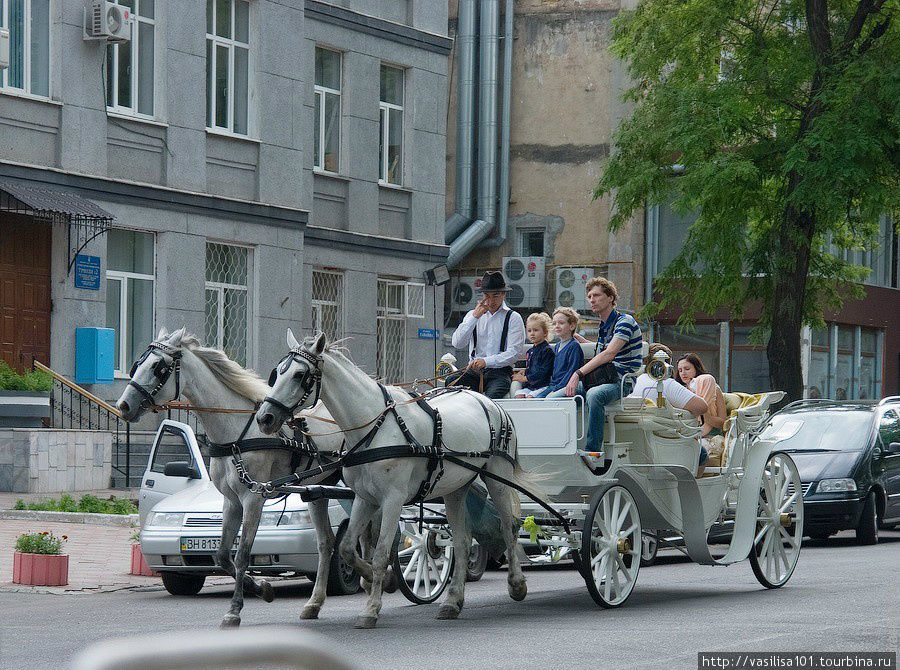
column 246, row 383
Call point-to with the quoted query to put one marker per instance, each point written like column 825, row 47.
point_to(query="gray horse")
column 176, row 363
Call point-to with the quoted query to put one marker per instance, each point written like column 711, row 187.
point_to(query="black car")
column 848, row 454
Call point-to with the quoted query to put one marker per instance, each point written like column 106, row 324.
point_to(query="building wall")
column 566, row 90
column 188, row 184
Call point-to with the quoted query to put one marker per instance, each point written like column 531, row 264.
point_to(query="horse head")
column 296, row 382
column 155, row 376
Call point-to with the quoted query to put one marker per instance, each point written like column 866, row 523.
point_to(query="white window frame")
column 26, row 47
column 229, row 43
column 318, row 303
column 319, row 106
column 134, row 45
column 122, row 365
column 219, row 288
column 384, row 314
column 384, row 117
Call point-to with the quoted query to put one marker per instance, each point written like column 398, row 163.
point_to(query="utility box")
column 94, row 355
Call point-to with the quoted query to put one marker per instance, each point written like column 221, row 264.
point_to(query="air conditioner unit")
column 464, row 293
column 4, row 48
column 570, row 287
column 525, row 277
column 107, row 21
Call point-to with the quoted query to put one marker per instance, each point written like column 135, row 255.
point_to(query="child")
column 539, row 359
column 568, row 356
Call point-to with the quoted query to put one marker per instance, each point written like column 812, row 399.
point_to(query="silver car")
column 181, row 523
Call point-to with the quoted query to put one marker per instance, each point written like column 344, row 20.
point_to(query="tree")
column 777, row 122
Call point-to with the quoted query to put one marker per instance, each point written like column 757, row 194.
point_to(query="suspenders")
column 503, row 335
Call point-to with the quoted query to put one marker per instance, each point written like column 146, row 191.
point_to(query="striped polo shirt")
column 624, row 327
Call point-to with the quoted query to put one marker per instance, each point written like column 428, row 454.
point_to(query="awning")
column 85, row 219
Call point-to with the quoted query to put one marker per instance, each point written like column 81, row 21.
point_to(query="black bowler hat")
column 493, row 282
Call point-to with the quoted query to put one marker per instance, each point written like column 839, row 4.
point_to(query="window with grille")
column 390, row 169
column 129, row 293
column 328, row 110
column 129, row 66
column 328, row 303
column 228, row 65
column 391, row 330
column 28, row 23
column 227, row 299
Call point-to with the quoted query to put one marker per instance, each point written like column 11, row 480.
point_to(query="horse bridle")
column 161, row 370
column 311, row 380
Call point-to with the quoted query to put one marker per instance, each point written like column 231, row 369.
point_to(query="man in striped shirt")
column 619, row 342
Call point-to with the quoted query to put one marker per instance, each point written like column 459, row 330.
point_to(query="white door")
column 174, row 441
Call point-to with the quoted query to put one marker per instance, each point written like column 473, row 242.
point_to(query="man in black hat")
column 495, row 337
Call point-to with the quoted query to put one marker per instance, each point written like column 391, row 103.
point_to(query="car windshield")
column 835, row 429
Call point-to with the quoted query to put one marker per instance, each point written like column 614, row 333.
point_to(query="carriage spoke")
column 419, row 576
column 603, row 553
column 621, row 520
column 631, row 529
column 790, row 501
column 614, row 515
column 413, row 562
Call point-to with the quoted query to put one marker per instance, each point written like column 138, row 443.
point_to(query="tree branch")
column 879, row 30
column 819, row 32
column 854, row 29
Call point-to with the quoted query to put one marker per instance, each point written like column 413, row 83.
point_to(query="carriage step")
column 316, row 492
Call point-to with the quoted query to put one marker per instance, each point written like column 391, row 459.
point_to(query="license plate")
column 204, row 545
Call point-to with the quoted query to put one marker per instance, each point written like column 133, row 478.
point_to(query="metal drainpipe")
column 487, row 136
column 465, row 122
column 500, row 237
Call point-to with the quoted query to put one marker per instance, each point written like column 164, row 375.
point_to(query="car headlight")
column 296, row 518
column 166, row 519
column 836, row 485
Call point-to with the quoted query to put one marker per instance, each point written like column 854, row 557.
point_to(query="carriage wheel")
column 779, row 522
column 611, row 546
column 424, row 561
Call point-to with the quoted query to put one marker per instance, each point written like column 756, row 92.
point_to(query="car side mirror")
column 181, row 469
column 894, row 448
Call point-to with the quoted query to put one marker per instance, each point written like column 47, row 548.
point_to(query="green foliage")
column 44, row 542
column 86, row 504
column 744, row 115
column 10, row 380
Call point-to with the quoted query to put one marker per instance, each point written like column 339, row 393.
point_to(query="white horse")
column 471, row 423
column 176, row 363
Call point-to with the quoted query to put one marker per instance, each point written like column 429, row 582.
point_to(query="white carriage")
column 645, row 485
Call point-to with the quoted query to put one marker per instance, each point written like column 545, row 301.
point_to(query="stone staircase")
column 140, row 444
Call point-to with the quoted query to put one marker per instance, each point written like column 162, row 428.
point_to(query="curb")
column 126, row 520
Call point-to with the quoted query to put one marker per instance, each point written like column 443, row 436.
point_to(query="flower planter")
column 139, row 563
column 40, row 569
column 23, row 409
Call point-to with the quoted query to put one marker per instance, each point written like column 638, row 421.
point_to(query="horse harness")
column 312, row 378
column 161, row 370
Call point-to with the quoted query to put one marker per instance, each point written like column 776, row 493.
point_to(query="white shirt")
column 674, row 393
column 490, row 329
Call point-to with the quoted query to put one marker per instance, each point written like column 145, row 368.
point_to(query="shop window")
column 749, row 363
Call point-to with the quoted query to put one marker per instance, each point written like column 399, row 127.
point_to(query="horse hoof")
column 309, row 612
column 518, row 591
column 365, row 622
column 266, row 592
column 231, row 621
column 448, row 611
column 390, row 581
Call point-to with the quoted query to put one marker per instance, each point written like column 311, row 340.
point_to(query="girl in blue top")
column 568, row 354
column 538, row 359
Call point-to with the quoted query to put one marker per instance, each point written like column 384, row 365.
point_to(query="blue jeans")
column 596, row 401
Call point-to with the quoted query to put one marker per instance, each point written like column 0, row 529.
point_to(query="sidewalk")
column 99, row 555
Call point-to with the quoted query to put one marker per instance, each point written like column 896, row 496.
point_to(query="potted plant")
column 25, row 398
column 138, row 562
column 39, row 561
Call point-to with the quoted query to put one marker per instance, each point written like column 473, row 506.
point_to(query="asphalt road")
column 840, row 598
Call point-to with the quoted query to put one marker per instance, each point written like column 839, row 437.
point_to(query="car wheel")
column 180, row 584
column 343, row 579
column 867, row 530
column 477, row 563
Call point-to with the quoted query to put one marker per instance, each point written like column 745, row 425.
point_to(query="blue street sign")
column 428, row 334
column 87, row 272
